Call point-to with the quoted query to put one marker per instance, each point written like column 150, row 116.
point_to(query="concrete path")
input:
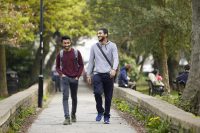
column 51, row 118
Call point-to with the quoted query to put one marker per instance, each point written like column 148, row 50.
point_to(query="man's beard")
column 101, row 39
column 66, row 47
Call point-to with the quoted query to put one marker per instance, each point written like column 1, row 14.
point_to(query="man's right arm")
column 91, row 62
column 90, row 65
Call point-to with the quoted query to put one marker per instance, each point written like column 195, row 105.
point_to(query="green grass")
column 143, row 89
column 18, row 121
column 1, row 98
column 173, row 98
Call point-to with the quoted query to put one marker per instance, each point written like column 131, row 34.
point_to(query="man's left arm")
column 115, row 60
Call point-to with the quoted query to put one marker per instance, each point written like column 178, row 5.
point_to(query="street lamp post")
column 40, row 77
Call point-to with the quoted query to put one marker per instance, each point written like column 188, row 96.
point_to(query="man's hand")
column 89, row 80
column 60, row 74
column 112, row 73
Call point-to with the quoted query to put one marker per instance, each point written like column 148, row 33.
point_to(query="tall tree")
column 157, row 26
column 69, row 17
column 3, row 83
column 191, row 95
column 12, row 32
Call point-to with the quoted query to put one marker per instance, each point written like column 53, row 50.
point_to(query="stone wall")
column 11, row 106
column 180, row 120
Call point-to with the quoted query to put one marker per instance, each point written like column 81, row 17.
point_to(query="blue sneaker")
column 99, row 117
column 106, row 120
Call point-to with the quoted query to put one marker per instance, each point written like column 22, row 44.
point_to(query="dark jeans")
column 103, row 81
column 57, row 83
column 122, row 83
column 72, row 84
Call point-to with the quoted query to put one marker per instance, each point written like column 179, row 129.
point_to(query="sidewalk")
column 51, row 118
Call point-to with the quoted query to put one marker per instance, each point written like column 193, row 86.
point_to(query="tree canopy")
column 19, row 26
column 160, row 27
column 14, row 24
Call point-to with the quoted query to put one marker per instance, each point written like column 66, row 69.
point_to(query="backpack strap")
column 76, row 58
column 61, row 56
column 76, row 53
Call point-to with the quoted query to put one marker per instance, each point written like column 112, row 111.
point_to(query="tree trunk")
column 164, row 59
column 52, row 58
column 191, row 94
column 36, row 67
column 50, row 62
column 157, row 63
column 172, row 64
column 3, row 82
column 142, row 63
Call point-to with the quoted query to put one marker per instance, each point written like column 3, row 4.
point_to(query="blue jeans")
column 72, row 84
column 103, row 81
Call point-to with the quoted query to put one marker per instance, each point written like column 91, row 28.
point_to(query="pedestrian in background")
column 155, row 78
column 123, row 76
column 56, row 79
column 182, row 78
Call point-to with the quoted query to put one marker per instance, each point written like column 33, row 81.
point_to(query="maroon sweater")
column 69, row 67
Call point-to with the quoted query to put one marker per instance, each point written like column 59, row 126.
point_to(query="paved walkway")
column 51, row 118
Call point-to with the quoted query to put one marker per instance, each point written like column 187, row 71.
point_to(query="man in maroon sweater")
column 69, row 68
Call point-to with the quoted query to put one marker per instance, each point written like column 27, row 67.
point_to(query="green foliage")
column 136, row 112
column 172, row 98
column 13, row 32
column 1, row 98
column 185, row 105
column 154, row 124
column 21, row 61
column 70, row 17
column 24, row 113
column 122, row 105
column 45, row 97
column 142, row 23
column 67, row 16
column 143, row 89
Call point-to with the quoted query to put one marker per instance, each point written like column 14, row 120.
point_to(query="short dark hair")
column 105, row 31
column 155, row 71
column 65, row 38
column 187, row 67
